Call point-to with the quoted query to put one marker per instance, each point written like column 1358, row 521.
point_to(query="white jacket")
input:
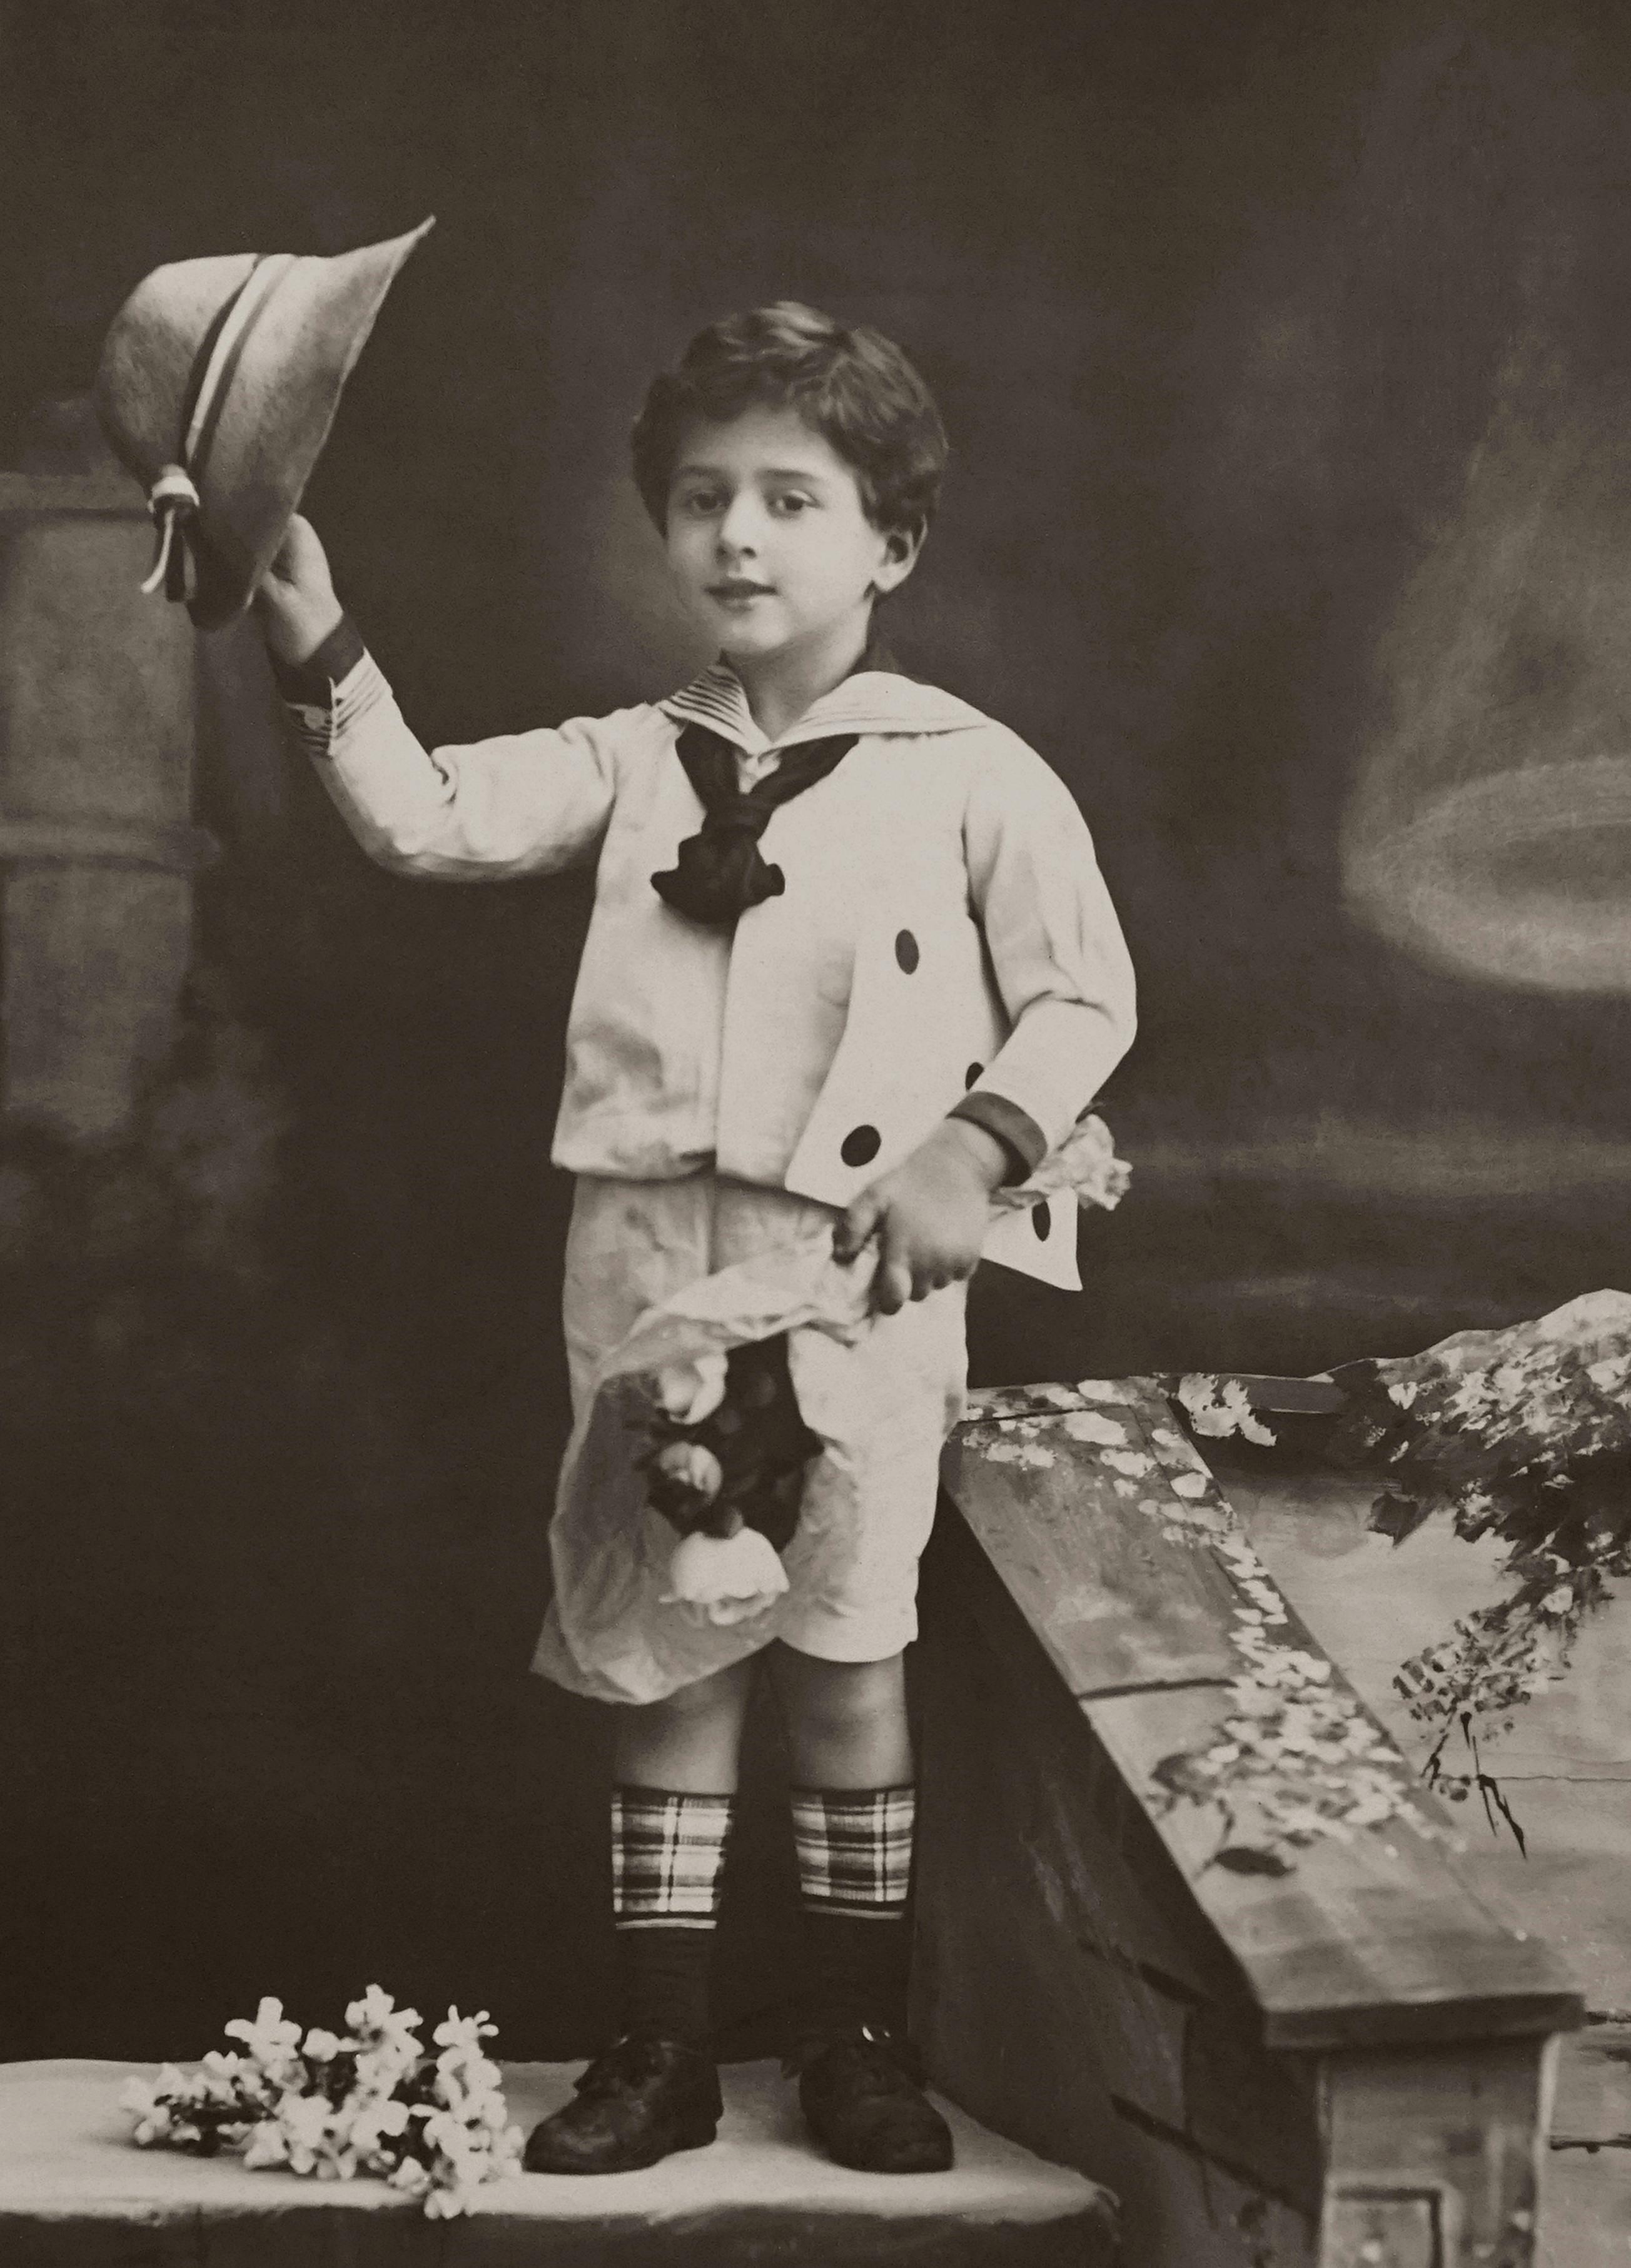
column 944, row 926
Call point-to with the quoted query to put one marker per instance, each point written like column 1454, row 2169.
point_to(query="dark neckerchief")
column 718, row 871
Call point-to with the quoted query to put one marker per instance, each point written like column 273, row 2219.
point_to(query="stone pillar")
column 97, row 848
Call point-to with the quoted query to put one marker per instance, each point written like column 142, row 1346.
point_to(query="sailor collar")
column 870, row 700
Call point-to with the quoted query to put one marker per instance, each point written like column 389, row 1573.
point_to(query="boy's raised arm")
column 524, row 803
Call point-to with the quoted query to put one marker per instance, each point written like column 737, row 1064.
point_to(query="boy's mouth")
column 738, row 586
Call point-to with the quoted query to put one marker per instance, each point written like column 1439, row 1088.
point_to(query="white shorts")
column 882, row 1407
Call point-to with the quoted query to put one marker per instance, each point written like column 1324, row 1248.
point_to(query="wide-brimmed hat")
column 217, row 384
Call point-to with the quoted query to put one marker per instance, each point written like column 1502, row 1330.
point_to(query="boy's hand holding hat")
column 295, row 602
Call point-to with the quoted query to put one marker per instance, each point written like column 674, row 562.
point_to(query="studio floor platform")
column 75, row 2193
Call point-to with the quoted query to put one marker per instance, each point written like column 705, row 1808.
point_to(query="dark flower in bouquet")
column 725, row 1469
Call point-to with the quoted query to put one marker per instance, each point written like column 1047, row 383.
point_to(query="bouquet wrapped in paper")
column 717, row 1384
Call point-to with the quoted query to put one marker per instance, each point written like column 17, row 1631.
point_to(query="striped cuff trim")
column 1017, row 1129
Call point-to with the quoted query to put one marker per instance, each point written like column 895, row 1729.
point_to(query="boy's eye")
column 700, row 501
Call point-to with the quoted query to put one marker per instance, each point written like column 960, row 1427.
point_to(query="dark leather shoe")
column 859, row 2094
column 646, row 2096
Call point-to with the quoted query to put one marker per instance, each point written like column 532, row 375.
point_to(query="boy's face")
column 769, row 541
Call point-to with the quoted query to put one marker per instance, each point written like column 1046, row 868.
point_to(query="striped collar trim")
column 870, row 701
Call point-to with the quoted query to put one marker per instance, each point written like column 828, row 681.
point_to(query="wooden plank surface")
column 1078, row 1513
column 1289, row 1397
column 1025, row 1401
column 1091, row 1858
column 1052, row 1919
column 1203, row 2215
column 1067, row 1989
column 1378, row 1938
column 1102, row 1525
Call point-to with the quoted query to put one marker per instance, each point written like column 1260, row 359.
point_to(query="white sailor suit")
column 942, row 943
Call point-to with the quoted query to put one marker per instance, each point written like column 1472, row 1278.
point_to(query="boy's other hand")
column 296, row 602
column 930, row 1214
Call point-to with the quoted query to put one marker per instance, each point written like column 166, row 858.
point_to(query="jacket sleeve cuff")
column 1017, row 1129
column 311, row 683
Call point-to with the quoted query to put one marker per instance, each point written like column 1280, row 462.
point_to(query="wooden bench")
column 1343, row 2065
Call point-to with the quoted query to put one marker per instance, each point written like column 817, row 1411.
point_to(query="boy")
column 850, row 960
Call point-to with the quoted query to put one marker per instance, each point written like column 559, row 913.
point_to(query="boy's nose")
column 739, row 529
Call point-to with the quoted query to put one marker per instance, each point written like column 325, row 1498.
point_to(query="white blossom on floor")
column 371, row 2102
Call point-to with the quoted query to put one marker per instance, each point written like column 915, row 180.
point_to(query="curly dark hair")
column 848, row 382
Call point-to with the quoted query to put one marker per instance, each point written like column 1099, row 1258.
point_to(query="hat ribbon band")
column 171, row 500
column 242, row 315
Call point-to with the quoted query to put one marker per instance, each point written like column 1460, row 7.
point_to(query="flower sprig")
column 371, row 2101
column 1523, row 1434
column 1297, row 1759
column 1219, row 1407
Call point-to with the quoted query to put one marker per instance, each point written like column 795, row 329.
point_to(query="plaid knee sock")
column 854, row 1848
column 667, row 1857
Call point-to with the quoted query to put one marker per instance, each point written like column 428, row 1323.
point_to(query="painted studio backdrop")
column 1284, row 353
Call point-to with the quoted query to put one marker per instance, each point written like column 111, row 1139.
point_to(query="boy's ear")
column 901, row 547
